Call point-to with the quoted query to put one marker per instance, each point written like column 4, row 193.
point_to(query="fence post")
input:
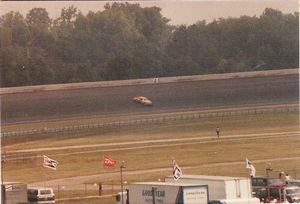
column 100, row 188
column 58, row 191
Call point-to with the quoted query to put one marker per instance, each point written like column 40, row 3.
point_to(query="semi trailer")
column 164, row 193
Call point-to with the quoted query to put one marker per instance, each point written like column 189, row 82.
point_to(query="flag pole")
column 173, row 167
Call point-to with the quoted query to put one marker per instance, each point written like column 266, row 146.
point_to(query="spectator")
column 218, row 132
column 281, row 175
column 287, row 177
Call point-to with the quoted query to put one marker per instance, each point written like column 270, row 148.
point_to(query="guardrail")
column 153, row 120
column 161, row 80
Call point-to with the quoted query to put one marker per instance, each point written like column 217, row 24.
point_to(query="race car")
column 143, row 100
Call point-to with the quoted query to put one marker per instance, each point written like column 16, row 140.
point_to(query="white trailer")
column 14, row 193
column 220, row 187
column 166, row 193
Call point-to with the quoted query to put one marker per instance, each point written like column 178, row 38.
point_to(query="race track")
column 167, row 97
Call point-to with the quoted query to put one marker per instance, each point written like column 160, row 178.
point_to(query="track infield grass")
column 233, row 125
column 192, row 154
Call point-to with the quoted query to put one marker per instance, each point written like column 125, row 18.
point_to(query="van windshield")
column 32, row 192
column 44, row 192
column 293, row 191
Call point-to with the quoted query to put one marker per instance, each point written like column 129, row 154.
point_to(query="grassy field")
column 173, row 129
column 79, row 162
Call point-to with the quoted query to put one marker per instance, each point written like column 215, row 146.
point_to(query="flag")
column 50, row 163
column 176, row 171
column 251, row 167
column 108, row 162
column 248, row 164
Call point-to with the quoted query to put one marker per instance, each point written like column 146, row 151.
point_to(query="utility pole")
column 3, row 155
column 268, row 169
column 121, row 171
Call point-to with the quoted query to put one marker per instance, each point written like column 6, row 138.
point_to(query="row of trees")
column 127, row 41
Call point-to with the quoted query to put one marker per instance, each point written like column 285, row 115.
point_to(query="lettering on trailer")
column 156, row 193
column 13, row 188
column 158, row 201
column 195, row 195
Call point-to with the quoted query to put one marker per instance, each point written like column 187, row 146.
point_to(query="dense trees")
column 127, row 41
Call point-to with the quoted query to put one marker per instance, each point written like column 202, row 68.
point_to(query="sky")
column 178, row 11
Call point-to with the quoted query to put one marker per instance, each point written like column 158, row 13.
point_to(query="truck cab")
column 236, row 201
column 292, row 194
column 119, row 197
column 281, row 193
column 260, row 185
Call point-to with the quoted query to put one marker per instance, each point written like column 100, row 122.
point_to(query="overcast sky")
column 178, row 11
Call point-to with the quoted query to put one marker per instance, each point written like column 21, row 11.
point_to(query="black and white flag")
column 176, row 171
column 50, row 163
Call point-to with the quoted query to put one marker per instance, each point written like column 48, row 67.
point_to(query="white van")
column 236, row 201
column 40, row 195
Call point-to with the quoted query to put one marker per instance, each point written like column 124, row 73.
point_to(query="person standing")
column 287, row 177
column 218, row 132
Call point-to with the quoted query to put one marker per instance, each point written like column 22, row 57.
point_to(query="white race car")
column 143, row 100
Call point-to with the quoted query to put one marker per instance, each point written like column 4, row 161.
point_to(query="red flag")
column 108, row 162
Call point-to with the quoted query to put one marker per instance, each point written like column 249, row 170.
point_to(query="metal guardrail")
column 51, row 87
column 154, row 120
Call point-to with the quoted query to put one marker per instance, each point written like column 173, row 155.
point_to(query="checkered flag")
column 50, row 163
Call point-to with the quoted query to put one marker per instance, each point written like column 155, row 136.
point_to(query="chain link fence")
column 153, row 120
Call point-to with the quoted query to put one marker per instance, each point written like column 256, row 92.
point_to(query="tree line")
column 126, row 41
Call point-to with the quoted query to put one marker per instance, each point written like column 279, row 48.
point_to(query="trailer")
column 166, row 193
column 14, row 193
column 220, row 187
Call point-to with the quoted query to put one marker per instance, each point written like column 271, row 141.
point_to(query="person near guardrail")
column 218, row 131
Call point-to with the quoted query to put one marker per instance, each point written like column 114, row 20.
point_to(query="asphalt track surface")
column 168, row 97
column 73, row 183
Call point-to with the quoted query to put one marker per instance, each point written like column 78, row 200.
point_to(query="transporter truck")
column 165, row 193
column 220, row 187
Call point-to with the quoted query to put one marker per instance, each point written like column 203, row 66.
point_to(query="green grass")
column 150, row 158
column 191, row 157
column 277, row 122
